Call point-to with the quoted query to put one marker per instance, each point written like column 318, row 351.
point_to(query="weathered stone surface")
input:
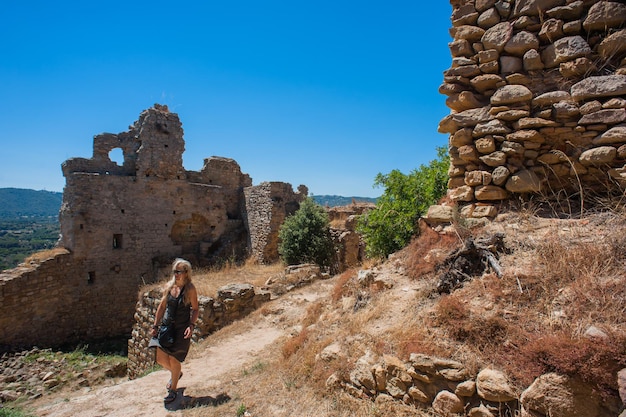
column 361, row 375
column 533, row 123
column 598, row 156
column 577, row 68
column 613, row 45
column 480, row 411
column 560, row 396
column 439, row 214
column 550, row 98
column 494, row 159
column 616, row 134
column 492, row 385
column 511, row 64
column 500, row 175
column 524, row 181
column 497, row 36
column 465, row 100
column 488, row 18
column 463, row 193
column 565, row 49
column 529, row 135
column 599, row 86
column 520, row 43
column 571, row 11
column 485, row 145
column 487, row 82
column 532, row 61
column 492, row 127
column 621, row 384
column 566, row 110
column 447, row 403
column 467, row 32
column 534, row 7
column 551, row 30
column 511, row 94
column 609, row 116
column 604, row 15
column 490, row 193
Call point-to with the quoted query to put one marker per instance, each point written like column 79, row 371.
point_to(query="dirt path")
column 202, row 371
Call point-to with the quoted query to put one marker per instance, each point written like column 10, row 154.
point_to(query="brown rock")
column 604, row 15
column 565, row 49
column 613, row 45
column 511, row 94
column 599, row 86
column 490, row 193
column 534, row 7
column 521, row 42
column 492, row 385
column 524, row 181
column 608, row 116
column 598, row 156
column 447, row 403
column 497, row 36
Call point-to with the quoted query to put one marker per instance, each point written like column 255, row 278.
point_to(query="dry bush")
column 420, row 259
column 292, row 345
column 595, row 361
column 345, row 285
column 42, row 255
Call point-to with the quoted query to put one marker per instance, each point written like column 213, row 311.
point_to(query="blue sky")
column 325, row 93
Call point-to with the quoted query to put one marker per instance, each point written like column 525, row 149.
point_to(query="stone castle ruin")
column 122, row 225
column 537, row 92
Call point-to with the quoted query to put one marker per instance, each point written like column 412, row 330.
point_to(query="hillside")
column 556, row 307
column 19, row 202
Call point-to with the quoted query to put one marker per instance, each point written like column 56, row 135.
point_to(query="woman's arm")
column 195, row 311
column 158, row 316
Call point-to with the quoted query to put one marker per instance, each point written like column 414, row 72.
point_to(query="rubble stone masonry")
column 537, row 92
column 121, row 227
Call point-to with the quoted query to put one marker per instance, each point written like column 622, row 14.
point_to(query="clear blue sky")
column 324, row 93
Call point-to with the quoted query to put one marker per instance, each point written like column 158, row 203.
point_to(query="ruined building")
column 122, row 225
column 537, row 92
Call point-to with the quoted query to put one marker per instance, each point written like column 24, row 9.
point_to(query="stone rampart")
column 537, row 92
column 122, row 225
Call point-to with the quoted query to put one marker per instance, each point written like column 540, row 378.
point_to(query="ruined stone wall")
column 537, row 92
column 266, row 207
column 122, row 225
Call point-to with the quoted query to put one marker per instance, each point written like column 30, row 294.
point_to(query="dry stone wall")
column 537, row 92
column 122, row 225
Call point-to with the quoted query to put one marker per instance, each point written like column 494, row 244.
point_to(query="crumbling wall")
column 537, row 92
column 266, row 207
column 122, row 225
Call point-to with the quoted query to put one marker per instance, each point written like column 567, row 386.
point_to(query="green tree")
column 305, row 236
column 392, row 224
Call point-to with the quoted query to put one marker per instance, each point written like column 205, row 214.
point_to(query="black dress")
column 177, row 312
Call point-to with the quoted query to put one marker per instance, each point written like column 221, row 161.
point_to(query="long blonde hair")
column 186, row 265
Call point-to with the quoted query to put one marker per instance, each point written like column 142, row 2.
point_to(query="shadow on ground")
column 183, row 401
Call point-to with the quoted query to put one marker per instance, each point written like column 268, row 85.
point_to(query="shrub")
column 305, row 236
column 392, row 224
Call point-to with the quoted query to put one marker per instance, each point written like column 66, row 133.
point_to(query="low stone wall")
column 449, row 389
column 233, row 302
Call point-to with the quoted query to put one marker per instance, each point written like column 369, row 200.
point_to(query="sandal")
column 171, row 396
column 169, row 384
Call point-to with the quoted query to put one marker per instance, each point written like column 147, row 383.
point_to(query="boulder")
column 559, row 396
column 521, row 42
column 447, row 403
column 492, row 385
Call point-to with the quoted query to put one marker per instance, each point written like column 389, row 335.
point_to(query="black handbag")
column 166, row 335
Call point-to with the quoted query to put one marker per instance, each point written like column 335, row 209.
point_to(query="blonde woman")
column 178, row 308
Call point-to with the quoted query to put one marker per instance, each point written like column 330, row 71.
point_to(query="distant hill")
column 337, row 200
column 20, row 202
